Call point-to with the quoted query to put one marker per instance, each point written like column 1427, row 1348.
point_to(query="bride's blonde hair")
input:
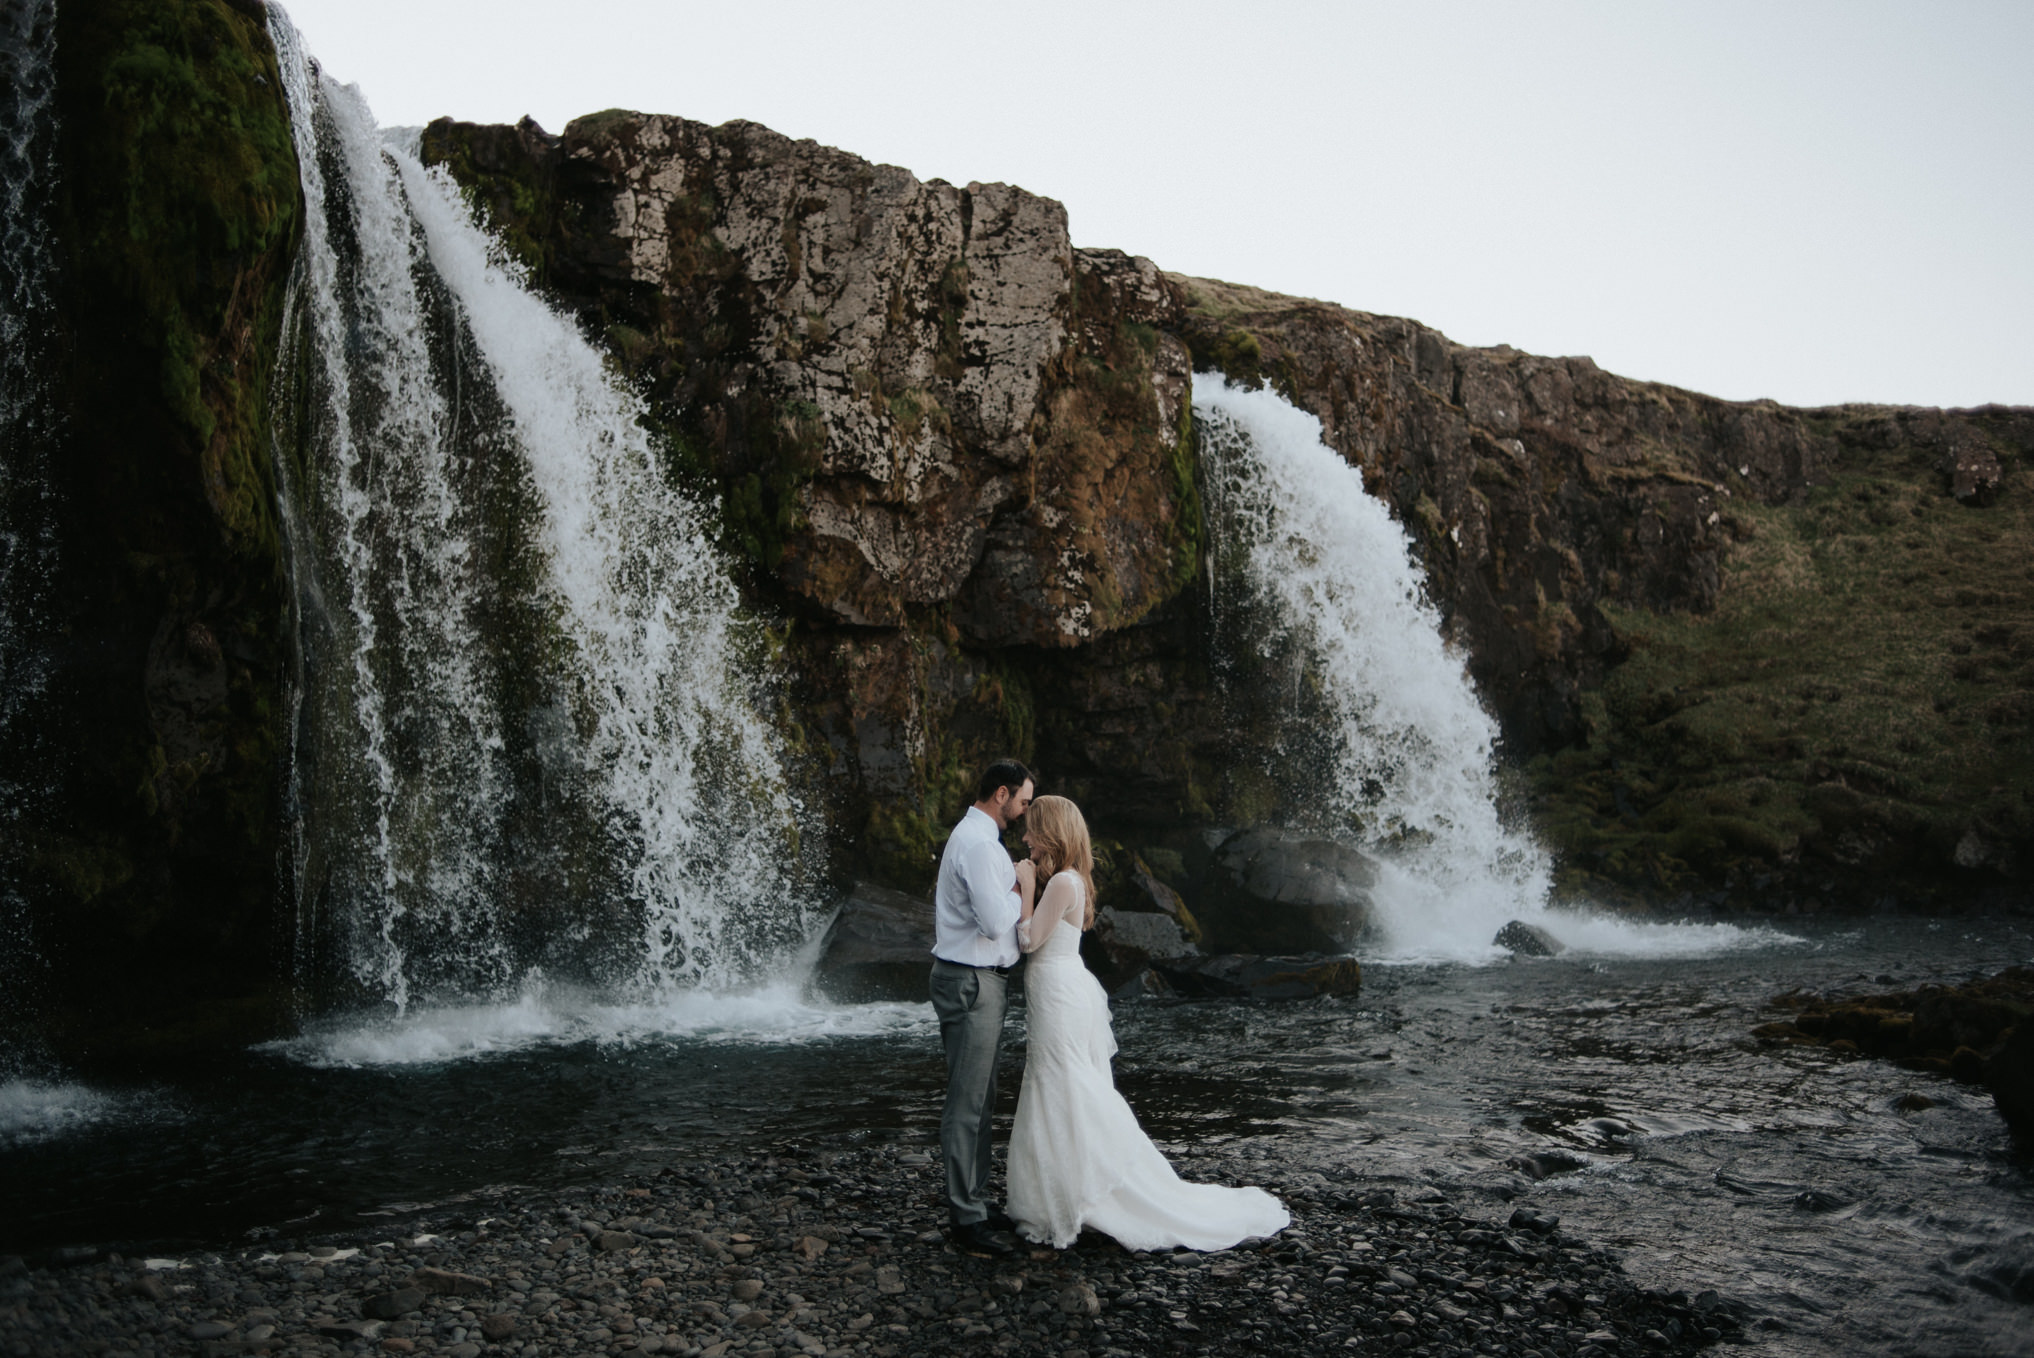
column 1062, row 839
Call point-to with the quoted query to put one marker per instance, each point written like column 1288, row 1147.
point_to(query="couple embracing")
column 1077, row 1156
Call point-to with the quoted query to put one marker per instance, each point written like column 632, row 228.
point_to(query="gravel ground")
column 842, row 1253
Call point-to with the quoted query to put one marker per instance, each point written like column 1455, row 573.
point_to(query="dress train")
column 1077, row 1156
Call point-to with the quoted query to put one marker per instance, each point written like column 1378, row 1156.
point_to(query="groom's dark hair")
column 1003, row 773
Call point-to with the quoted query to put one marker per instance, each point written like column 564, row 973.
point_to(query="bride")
column 1077, row 1156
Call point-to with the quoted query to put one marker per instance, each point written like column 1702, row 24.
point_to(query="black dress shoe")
column 979, row 1237
column 999, row 1220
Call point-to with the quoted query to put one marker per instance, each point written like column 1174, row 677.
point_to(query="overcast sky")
column 1816, row 202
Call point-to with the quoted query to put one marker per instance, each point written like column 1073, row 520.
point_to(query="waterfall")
column 528, row 742
column 1410, row 768
column 28, row 425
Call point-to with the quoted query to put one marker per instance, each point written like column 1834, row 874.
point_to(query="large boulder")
column 1141, row 920
column 1124, row 943
column 879, row 947
column 1238, row 976
column 2010, row 1073
column 1528, row 940
column 1282, row 891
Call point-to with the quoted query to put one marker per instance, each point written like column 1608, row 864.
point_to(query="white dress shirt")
column 976, row 906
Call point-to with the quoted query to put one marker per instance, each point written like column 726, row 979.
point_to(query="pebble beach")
column 843, row 1254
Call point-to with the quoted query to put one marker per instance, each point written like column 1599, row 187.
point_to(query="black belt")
column 1000, row 971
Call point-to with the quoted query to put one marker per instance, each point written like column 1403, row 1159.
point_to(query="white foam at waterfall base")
column 33, row 1111
column 561, row 1016
column 1325, row 555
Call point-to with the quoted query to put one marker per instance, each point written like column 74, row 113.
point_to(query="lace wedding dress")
column 1077, row 1156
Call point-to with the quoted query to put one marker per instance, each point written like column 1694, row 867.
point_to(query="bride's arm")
column 1027, row 892
column 1060, row 894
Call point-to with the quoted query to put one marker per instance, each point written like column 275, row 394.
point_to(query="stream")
column 1785, row 1178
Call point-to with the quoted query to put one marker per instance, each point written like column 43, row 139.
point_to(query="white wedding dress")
column 1077, row 1156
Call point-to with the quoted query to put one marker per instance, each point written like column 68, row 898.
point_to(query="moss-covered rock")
column 1975, row 1032
column 154, row 867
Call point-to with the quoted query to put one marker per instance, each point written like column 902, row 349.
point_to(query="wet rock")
column 1975, row 1032
column 613, row 1242
column 878, row 947
column 2010, row 1073
column 1913, row 1103
column 344, row 1330
column 1158, row 896
column 1272, row 890
column 393, row 1305
column 1529, row 1219
column 1124, row 943
column 1528, row 940
column 1547, row 1164
column 1339, row 1275
column 209, row 1329
column 1237, row 976
column 448, row 1283
column 1079, row 1299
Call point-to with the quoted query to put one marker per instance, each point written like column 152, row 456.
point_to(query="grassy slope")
column 1862, row 689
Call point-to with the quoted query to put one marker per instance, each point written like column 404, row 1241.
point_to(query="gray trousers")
column 970, row 1002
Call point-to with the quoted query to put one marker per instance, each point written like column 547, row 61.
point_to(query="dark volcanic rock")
column 147, row 859
column 1234, row 976
column 1281, row 890
column 1124, row 943
column 879, row 946
column 2010, row 1074
column 1977, row 1032
column 1348, row 1275
column 1528, row 940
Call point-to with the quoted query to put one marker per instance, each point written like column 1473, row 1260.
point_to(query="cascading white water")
column 1415, row 767
column 527, row 736
column 1414, row 760
column 28, row 424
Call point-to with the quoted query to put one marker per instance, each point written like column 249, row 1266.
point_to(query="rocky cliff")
column 1730, row 644
column 151, row 852
column 1740, row 653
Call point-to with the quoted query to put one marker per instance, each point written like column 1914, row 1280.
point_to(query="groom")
column 975, row 949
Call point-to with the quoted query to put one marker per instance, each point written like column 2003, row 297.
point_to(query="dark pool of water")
column 1786, row 1178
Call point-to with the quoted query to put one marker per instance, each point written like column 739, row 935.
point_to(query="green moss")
column 511, row 194
column 912, row 410
column 953, row 304
column 1858, row 691
column 1236, row 354
column 194, row 179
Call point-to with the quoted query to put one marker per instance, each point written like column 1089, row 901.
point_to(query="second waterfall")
column 528, row 737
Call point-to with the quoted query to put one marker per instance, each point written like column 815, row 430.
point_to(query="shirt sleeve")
column 1061, row 900
column 992, row 888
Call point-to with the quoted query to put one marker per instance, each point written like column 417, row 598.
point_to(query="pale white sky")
column 1812, row 201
